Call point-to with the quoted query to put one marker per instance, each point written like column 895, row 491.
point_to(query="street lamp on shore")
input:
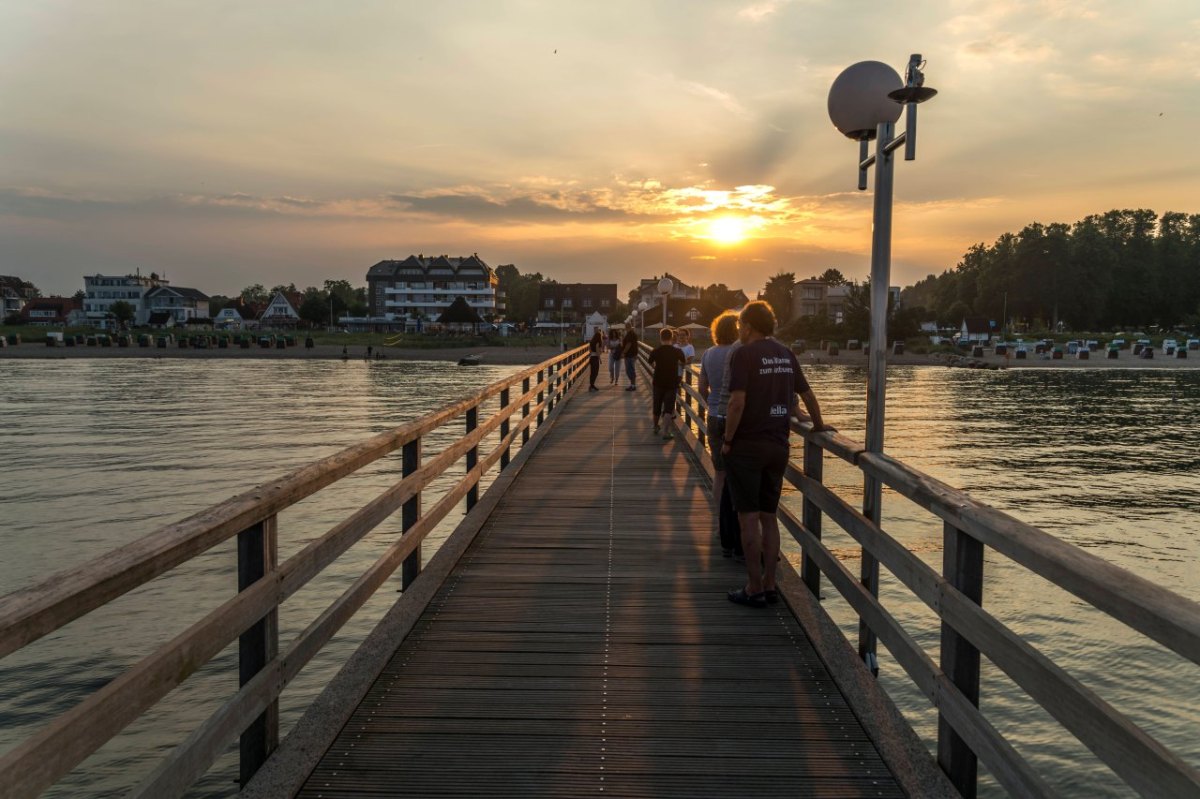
column 864, row 103
column 665, row 287
column 641, row 309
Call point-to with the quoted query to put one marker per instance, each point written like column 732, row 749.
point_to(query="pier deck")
column 584, row 646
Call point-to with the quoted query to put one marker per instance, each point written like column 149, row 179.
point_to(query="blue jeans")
column 630, row 367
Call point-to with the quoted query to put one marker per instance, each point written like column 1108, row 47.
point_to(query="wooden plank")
column 29, row 613
column 1138, row 758
column 590, row 649
column 1151, row 609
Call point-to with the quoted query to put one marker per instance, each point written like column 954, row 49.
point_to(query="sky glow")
column 276, row 142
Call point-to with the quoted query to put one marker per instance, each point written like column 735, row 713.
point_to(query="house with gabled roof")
column 422, row 287
column 975, row 330
column 175, row 305
column 281, row 311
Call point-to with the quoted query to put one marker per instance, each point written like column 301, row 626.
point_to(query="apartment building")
column 422, row 287
column 571, row 302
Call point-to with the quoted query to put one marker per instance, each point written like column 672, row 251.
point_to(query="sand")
column 496, row 356
column 502, row 356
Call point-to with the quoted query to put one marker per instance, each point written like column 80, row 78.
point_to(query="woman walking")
column 614, row 357
column 595, row 347
column 629, row 353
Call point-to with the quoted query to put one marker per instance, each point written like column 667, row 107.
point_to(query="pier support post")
column 541, row 397
column 554, row 375
column 962, row 566
column 504, row 428
column 525, row 412
column 258, row 553
column 410, row 513
column 472, row 456
column 814, row 466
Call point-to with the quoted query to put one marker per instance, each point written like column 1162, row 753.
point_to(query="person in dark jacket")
column 629, row 354
column 668, row 362
column 595, row 347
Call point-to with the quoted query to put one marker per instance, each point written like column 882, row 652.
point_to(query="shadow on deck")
column 583, row 644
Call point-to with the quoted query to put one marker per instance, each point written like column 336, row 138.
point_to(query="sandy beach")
column 501, row 356
column 496, row 356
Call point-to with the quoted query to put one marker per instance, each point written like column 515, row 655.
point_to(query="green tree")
column 256, row 294
column 778, row 294
column 122, row 311
column 833, row 277
column 720, row 295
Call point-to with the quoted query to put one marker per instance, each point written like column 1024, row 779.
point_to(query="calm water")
column 100, row 453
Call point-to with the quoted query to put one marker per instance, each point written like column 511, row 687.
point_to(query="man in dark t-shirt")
column 668, row 362
column 764, row 381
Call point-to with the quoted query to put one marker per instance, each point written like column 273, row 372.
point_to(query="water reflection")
column 103, row 452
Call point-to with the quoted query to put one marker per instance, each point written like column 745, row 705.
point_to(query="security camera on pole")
column 864, row 103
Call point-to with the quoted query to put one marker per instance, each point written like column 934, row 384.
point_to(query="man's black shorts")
column 664, row 399
column 754, row 472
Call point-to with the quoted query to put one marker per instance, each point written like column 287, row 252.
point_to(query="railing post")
column 525, row 412
column 962, row 566
column 504, row 428
column 258, row 553
column 814, row 467
column 541, row 397
column 552, row 387
column 410, row 512
column 472, row 456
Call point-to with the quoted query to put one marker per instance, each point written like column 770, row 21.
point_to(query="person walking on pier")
column 629, row 354
column 614, row 357
column 714, row 388
column 668, row 361
column 595, row 347
column 764, row 381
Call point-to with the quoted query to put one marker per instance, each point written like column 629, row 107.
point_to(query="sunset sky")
column 226, row 144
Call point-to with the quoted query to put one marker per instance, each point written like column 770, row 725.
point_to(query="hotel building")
column 421, row 287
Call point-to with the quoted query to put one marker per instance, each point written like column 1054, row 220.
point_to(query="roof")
column 191, row 294
column 976, row 324
column 421, row 265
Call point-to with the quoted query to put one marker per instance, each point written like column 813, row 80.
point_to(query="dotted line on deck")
column 612, row 503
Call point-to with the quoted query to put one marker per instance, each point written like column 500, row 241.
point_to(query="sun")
column 729, row 230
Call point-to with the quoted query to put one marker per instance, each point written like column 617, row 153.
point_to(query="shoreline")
column 492, row 356
column 529, row 356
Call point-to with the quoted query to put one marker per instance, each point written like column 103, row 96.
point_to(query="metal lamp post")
column 665, row 287
column 864, row 103
column 641, row 309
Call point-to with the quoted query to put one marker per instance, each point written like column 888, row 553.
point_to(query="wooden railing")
column 251, row 616
column 952, row 683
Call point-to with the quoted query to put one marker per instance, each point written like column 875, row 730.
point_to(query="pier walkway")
column 572, row 637
column 584, row 645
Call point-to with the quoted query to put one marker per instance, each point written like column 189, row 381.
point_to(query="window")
column 587, row 302
column 566, row 303
column 549, row 302
column 604, row 303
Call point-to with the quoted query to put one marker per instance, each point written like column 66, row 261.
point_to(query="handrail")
column 64, row 742
column 32, row 612
column 968, row 630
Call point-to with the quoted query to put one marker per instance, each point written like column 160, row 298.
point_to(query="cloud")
column 549, row 207
column 725, row 99
column 757, row 12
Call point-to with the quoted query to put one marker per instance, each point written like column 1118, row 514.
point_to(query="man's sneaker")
column 656, row 429
column 667, row 436
column 631, row 388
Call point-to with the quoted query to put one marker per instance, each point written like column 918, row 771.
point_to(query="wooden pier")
column 589, row 649
column 572, row 636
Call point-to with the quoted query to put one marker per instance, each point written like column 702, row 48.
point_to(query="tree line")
column 1120, row 269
